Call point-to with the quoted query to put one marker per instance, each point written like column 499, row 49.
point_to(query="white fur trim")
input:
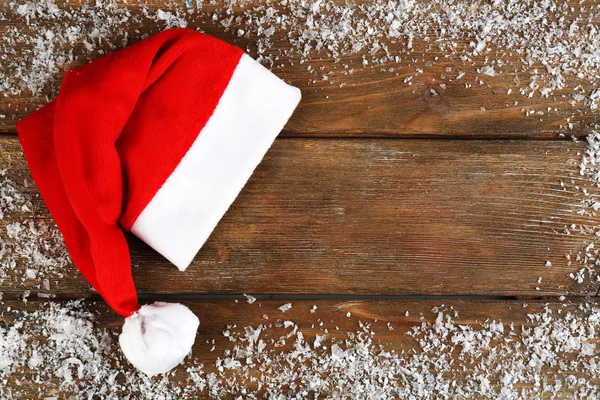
column 157, row 337
column 250, row 114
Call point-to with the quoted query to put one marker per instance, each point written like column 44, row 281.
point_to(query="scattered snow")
column 552, row 349
column 57, row 347
column 250, row 299
column 397, row 36
column 586, row 261
column 489, row 71
column 30, row 248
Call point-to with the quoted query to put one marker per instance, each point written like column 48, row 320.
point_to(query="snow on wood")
column 550, row 350
column 511, row 36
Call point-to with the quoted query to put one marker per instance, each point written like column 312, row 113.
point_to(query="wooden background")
column 376, row 198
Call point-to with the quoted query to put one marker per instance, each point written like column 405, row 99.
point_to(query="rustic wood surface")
column 389, row 320
column 372, row 101
column 376, row 217
column 347, row 205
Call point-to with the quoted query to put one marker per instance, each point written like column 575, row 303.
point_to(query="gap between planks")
column 145, row 298
column 285, row 135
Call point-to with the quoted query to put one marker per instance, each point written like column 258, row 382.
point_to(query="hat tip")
column 158, row 337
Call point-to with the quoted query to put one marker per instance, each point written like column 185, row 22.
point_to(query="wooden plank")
column 374, row 100
column 375, row 216
column 466, row 351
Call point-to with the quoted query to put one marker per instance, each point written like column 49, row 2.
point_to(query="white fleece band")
column 250, row 114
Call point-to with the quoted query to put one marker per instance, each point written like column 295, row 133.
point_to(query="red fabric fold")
column 117, row 130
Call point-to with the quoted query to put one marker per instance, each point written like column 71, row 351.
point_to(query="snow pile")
column 554, row 351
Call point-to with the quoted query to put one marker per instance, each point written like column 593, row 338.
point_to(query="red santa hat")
column 157, row 139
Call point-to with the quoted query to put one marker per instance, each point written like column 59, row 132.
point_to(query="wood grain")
column 332, row 318
column 372, row 101
column 397, row 217
column 371, row 214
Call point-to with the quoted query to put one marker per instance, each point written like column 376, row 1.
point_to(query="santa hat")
column 157, row 139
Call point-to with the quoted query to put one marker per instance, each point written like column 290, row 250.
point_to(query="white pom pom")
column 157, row 337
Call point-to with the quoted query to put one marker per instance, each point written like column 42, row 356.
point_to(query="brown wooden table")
column 377, row 198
